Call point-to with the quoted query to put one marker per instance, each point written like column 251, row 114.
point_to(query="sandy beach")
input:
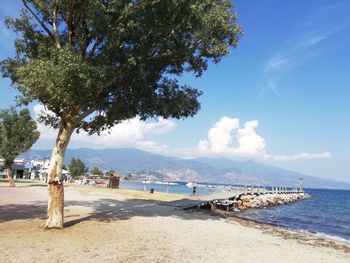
column 105, row 225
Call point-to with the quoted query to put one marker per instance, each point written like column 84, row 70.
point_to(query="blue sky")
column 282, row 97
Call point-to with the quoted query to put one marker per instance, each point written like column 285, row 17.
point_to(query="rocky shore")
column 256, row 201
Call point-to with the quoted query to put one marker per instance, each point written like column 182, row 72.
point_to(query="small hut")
column 114, row 180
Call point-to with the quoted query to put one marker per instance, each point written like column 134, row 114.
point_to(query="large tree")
column 18, row 132
column 95, row 63
column 96, row 171
column 76, row 168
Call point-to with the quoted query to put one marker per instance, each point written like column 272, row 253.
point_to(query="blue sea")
column 179, row 188
column 326, row 213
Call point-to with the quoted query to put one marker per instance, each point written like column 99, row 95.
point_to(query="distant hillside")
column 141, row 163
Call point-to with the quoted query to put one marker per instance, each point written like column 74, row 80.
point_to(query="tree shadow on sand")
column 103, row 210
column 22, row 211
column 106, row 210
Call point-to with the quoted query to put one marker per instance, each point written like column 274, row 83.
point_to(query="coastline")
column 106, row 226
column 305, row 237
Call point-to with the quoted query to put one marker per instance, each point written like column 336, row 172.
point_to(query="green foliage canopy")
column 18, row 132
column 76, row 168
column 96, row 171
column 128, row 177
column 95, row 63
column 110, row 172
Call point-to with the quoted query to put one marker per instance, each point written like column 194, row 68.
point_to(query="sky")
column 281, row 97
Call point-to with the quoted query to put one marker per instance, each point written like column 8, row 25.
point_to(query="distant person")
column 194, row 190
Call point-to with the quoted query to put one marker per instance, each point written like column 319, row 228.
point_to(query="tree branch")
column 94, row 47
column 55, row 25
column 87, row 38
column 83, row 115
column 80, row 14
column 70, row 22
column 41, row 22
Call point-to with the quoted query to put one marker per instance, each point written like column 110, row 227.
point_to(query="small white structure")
column 17, row 167
column 17, row 161
column 38, row 168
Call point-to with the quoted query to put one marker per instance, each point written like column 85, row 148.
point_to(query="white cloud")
column 219, row 136
column 250, row 143
column 295, row 53
column 131, row 133
column 226, row 138
column 305, row 156
column 302, row 47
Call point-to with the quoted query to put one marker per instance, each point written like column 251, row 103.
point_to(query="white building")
column 38, row 169
column 18, row 168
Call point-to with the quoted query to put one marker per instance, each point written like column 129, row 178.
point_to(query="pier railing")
column 257, row 190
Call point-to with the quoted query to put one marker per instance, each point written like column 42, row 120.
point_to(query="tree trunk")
column 9, row 177
column 55, row 179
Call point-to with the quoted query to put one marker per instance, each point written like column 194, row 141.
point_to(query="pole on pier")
column 301, row 184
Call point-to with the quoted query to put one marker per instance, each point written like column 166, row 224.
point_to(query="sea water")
column 326, row 213
column 177, row 188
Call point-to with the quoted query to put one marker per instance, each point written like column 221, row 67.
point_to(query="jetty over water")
column 242, row 198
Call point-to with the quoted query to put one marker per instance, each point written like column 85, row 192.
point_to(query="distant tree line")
column 77, row 167
column 18, row 132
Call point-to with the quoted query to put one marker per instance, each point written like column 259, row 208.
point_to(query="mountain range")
column 158, row 167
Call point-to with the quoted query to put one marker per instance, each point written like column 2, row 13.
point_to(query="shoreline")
column 123, row 226
column 165, row 197
column 320, row 239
